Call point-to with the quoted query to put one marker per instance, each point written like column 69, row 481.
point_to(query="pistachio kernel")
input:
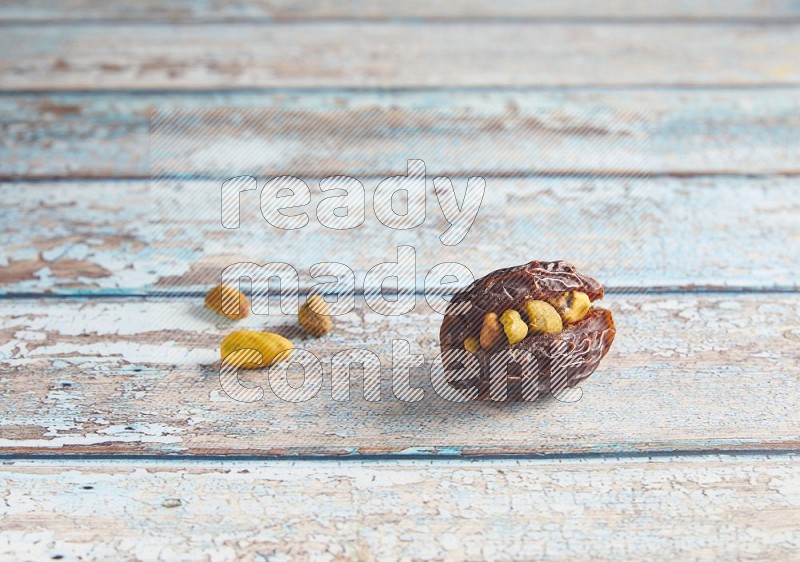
column 572, row 306
column 472, row 345
column 251, row 350
column 514, row 326
column 491, row 331
column 543, row 318
column 314, row 316
column 227, row 301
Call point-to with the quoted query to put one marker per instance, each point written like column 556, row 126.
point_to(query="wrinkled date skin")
column 539, row 364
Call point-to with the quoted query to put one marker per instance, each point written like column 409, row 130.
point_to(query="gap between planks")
column 456, row 176
column 734, row 11
column 389, row 90
column 686, row 290
column 775, row 21
column 422, row 457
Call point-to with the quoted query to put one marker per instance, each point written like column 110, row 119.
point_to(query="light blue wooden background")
column 116, row 440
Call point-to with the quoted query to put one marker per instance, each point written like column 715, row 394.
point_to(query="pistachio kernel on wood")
column 227, row 301
column 515, row 328
column 314, row 316
column 572, row 306
column 542, row 317
column 257, row 349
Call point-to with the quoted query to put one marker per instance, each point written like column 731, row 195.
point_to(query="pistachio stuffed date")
column 534, row 327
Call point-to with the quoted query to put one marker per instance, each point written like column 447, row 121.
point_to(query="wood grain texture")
column 394, row 55
column 685, row 373
column 701, row 98
column 689, row 509
column 218, row 10
column 363, row 133
column 134, row 238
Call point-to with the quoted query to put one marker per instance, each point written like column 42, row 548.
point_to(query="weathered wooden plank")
column 689, row 509
column 493, row 132
column 685, row 373
column 217, row 10
column 134, row 238
column 228, row 56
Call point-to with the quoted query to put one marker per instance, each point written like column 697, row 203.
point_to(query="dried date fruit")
column 554, row 335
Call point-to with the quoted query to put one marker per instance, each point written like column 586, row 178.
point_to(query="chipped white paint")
column 157, row 433
column 194, row 10
column 703, row 508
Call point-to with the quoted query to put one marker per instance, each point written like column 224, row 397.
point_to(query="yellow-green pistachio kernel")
column 543, row 318
column 572, row 306
column 514, row 326
column 472, row 345
column 255, row 349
